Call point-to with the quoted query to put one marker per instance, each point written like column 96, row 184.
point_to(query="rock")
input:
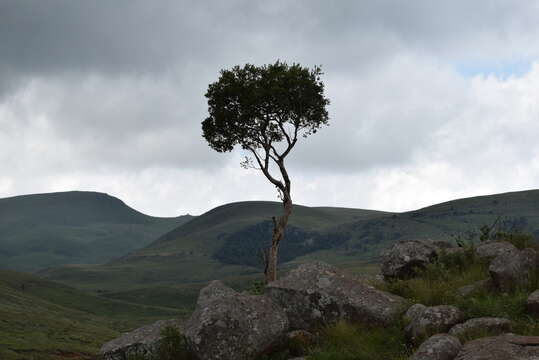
column 230, row 325
column 403, row 258
column 143, row 342
column 432, row 320
column 490, row 249
column 475, row 287
column 512, row 269
column 532, row 305
column 215, row 290
column 317, row 293
column 438, row 347
column 503, row 347
column 481, row 327
column 414, row 311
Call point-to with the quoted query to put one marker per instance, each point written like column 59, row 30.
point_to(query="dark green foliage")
column 344, row 341
column 173, row 345
column 243, row 247
column 251, row 103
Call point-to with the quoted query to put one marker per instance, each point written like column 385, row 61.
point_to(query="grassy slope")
column 47, row 320
column 176, row 265
column 44, row 230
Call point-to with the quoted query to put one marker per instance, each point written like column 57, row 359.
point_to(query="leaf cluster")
column 256, row 106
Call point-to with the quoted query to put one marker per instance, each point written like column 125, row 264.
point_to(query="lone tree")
column 265, row 110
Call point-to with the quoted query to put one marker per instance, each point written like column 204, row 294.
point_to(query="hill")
column 44, row 320
column 223, row 243
column 44, row 230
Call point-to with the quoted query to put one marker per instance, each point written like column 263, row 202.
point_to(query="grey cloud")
column 104, row 89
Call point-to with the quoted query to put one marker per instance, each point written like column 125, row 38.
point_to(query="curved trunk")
column 277, row 234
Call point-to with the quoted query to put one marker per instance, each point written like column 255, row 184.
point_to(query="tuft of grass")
column 345, row 341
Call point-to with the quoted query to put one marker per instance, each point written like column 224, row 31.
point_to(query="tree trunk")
column 277, row 234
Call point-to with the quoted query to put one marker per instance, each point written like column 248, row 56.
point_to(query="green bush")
column 172, row 346
column 345, row 341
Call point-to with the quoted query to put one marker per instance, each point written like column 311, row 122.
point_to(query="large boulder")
column 403, row 258
column 502, row 347
column 143, row 342
column 513, row 269
column 230, row 325
column 438, row 347
column 317, row 293
column 532, row 305
column 432, row 320
column 491, row 249
column 414, row 311
column 481, row 327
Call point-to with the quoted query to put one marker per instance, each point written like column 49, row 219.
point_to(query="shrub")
column 345, row 341
column 172, row 346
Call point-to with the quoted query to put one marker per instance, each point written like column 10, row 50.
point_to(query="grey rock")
column 491, row 249
column 532, row 305
column 143, row 341
column 230, row 325
column 481, row 327
column 215, row 290
column 438, row 347
column 317, row 293
column 502, row 347
column 403, row 258
column 475, row 287
column 512, row 269
column 414, row 311
column 432, row 320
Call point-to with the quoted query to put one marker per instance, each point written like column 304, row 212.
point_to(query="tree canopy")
column 255, row 107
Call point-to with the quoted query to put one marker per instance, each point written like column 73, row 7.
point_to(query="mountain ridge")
column 50, row 229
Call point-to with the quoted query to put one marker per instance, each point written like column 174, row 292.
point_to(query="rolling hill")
column 223, row 243
column 40, row 319
column 44, row 230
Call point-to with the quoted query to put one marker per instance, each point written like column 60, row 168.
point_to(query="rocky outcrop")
column 317, row 293
column 142, row 342
column 432, row 320
column 481, row 327
column 402, row 259
column 491, row 249
column 414, row 311
column 230, row 325
column 512, row 269
column 438, row 347
column 503, row 347
column 532, row 305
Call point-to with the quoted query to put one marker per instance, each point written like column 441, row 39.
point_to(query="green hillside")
column 224, row 243
column 40, row 319
column 44, row 230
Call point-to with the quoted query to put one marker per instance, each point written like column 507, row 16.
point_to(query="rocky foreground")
column 240, row 326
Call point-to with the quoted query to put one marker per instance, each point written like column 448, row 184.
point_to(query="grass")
column 344, row 341
column 49, row 321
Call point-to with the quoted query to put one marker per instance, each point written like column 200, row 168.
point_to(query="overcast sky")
column 430, row 100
